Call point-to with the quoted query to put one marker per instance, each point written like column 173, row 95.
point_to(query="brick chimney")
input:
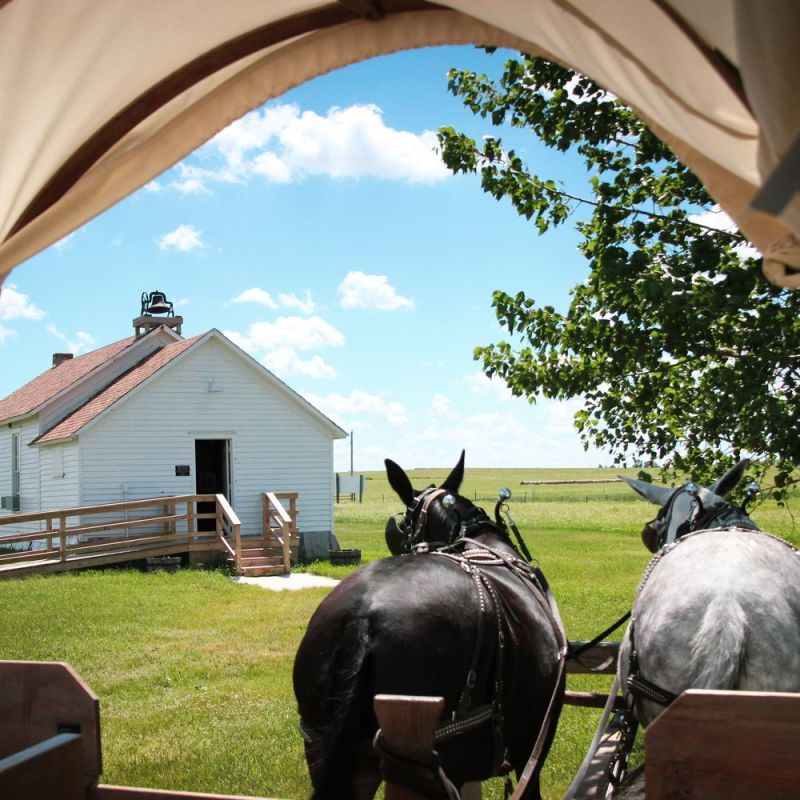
column 60, row 358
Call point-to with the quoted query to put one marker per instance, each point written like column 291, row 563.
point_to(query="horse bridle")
column 412, row 528
column 415, row 519
column 656, row 530
column 718, row 516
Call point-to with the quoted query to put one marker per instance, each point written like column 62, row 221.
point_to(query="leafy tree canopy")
column 682, row 352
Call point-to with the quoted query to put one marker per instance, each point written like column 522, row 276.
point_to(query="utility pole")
column 351, row 452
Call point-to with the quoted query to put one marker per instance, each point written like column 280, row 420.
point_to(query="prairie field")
column 193, row 671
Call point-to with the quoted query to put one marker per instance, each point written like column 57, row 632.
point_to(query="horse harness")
column 474, row 558
column 713, row 518
column 637, row 687
column 413, row 530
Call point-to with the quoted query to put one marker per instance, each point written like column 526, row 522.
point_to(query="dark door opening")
column 212, row 475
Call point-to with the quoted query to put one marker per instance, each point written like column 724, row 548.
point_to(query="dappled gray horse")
column 718, row 607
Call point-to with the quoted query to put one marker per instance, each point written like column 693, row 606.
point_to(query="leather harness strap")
column 535, row 580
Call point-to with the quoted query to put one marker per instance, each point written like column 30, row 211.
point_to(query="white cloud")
column 184, row 238
column 297, row 332
column 6, row 333
column 339, row 407
column 263, row 298
column 255, row 295
column 153, row 187
column 479, row 384
column 305, row 305
column 272, row 167
column 80, row 344
column 719, row 220
column 440, row 407
column 359, row 290
column 510, row 437
column 285, row 361
column 190, row 186
column 284, row 144
column 16, row 305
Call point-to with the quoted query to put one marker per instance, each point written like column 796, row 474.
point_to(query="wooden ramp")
column 113, row 533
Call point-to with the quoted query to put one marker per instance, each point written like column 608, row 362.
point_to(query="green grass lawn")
column 194, row 672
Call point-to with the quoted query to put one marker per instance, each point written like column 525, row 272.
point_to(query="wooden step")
column 260, row 572
column 262, row 561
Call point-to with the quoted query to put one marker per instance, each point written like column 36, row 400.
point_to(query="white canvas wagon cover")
column 97, row 98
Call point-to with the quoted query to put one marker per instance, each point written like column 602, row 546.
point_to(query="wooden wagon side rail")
column 50, row 739
column 279, row 524
column 71, row 537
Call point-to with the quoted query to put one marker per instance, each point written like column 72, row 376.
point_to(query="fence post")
column 62, row 540
column 237, row 546
column 190, row 527
column 286, row 531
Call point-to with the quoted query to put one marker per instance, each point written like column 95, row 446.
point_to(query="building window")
column 15, row 452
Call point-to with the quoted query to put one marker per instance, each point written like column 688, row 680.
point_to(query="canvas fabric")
column 97, row 99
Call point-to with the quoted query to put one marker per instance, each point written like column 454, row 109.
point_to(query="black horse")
column 469, row 622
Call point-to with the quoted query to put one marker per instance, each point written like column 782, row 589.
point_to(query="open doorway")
column 212, row 459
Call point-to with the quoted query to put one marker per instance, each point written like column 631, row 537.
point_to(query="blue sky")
column 322, row 234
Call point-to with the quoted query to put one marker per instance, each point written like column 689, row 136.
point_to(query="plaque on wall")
column 182, row 469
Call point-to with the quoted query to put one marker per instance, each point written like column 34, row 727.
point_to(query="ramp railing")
column 106, row 533
column 280, row 525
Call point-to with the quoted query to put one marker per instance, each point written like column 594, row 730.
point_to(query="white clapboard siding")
column 29, row 475
column 60, row 477
column 211, row 393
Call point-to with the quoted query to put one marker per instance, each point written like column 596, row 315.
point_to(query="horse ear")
column 454, row 479
column 730, row 479
column 399, row 481
column 648, row 491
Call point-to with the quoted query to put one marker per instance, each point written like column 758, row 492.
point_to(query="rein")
column 638, row 686
column 480, row 555
column 473, row 557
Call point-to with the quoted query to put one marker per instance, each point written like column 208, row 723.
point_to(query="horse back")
column 719, row 610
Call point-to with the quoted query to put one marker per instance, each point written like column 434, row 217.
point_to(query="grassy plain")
column 194, row 672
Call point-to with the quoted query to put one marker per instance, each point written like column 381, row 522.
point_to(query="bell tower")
column 156, row 311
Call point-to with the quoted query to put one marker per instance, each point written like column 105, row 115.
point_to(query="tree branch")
column 736, row 236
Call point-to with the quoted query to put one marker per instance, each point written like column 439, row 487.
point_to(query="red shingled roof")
column 29, row 397
column 95, row 406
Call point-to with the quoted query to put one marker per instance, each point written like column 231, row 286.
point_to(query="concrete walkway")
column 291, row 582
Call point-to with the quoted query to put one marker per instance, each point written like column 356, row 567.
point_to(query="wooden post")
column 237, row 547
column 265, row 518
column 408, row 724
column 287, row 559
column 62, row 541
column 723, row 745
column 49, row 529
column 190, row 520
column 293, row 512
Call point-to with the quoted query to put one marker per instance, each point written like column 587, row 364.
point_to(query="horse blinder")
column 650, row 537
